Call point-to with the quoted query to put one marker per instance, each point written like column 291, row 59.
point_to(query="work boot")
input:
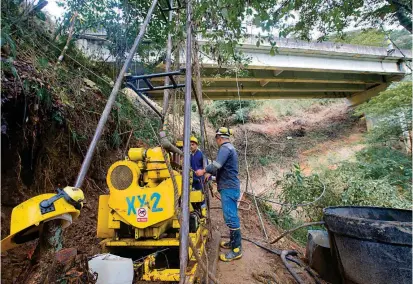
column 235, row 245
column 225, row 245
column 236, row 238
column 228, row 244
column 234, row 254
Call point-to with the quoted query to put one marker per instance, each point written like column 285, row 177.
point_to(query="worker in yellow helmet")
column 197, row 162
column 225, row 168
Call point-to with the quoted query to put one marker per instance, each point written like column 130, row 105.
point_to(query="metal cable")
column 290, row 204
column 74, row 60
column 295, row 229
column 245, row 158
column 170, row 170
column 401, row 52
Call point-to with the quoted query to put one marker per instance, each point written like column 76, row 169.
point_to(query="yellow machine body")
column 139, row 212
column 27, row 217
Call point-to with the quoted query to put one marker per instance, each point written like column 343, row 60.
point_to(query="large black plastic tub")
column 371, row 244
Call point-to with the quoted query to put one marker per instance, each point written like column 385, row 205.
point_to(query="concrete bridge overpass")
column 302, row 70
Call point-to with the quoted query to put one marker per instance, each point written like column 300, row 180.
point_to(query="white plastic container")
column 112, row 269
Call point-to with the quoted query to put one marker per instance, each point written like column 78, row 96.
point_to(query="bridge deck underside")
column 221, row 84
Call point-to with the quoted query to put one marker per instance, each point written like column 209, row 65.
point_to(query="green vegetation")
column 402, row 38
column 370, row 37
column 63, row 92
column 53, row 110
column 374, row 37
column 228, row 112
column 221, row 23
column 381, row 174
column 387, row 110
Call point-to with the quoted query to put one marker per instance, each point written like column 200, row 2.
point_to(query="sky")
column 54, row 10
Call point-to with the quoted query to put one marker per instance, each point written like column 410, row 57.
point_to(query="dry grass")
column 276, row 110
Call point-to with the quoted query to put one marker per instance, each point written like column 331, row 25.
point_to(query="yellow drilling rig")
column 137, row 219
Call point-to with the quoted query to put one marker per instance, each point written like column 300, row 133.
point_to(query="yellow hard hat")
column 179, row 143
column 27, row 217
column 224, row 132
column 193, row 139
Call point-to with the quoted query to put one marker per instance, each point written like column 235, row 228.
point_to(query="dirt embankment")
column 319, row 137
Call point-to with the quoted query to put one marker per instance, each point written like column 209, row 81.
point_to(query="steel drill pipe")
column 184, row 228
column 198, row 92
column 111, row 100
column 144, row 98
column 167, row 63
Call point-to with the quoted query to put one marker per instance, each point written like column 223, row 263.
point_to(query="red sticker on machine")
column 142, row 214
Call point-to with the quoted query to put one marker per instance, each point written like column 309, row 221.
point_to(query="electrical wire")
column 240, row 208
column 245, row 158
column 291, row 204
column 287, row 257
column 401, row 52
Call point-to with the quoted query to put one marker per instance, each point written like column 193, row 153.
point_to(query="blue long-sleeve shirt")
column 197, row 163
column 225, row 167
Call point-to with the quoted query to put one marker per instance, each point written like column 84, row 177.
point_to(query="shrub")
column 228, row 112
column 380, row 177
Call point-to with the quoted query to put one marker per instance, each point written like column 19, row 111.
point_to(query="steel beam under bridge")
column 303, row 70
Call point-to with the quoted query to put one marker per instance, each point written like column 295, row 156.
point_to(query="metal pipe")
column 184, row 228
column 200, row 111
column 111, row 100
column 169, row 3
column 159, row 88
column 198, row 94
column 167, row 64
column 156, row 75
column 143, row 97
column 167, row 145
column 202, row 125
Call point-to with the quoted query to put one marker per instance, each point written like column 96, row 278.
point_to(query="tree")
column 222, row 22
column 334, row 16
column 392, row 113
column 397, row 98
column 374, row 37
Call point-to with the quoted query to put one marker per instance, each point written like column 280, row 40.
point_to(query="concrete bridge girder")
column 361, row 97
column 300, row 70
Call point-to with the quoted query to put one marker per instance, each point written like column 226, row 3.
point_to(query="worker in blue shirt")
column 225, row 168
column 197, row 162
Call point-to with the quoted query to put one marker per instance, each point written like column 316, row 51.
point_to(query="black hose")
column 307, row 268
column 284, row 254
column 279, row 252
